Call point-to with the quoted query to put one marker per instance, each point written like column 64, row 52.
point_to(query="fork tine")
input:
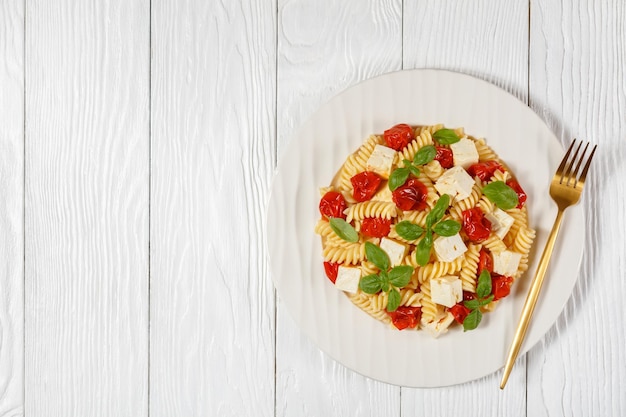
column 583, row 175
column 568, row 174
column 574, row 175
column 561, row 168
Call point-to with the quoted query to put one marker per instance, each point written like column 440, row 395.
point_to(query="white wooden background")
column 137, row 144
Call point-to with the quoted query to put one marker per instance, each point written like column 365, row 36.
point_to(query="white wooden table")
column 137, row 145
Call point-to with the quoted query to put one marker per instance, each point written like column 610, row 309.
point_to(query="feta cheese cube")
column 394, row 249
column 456, row 182
column 449, row 248
column 381, row 160
column 500, row 222
column 506, row 262
column 439, row 327
column 348, row 278
column 446, row 290
column 464, row 152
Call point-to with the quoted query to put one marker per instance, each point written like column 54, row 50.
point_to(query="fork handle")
column 531, row 299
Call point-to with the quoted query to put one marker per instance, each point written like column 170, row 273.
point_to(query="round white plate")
column 326, row 315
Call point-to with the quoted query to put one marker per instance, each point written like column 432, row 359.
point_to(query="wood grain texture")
column 578, row 57
column 11, row 208
column 488, row 40
column 323, row 48
column 213, row 151
column 86, row 219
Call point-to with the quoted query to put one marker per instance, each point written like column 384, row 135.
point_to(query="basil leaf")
column 422, row 252
column 406, row 163
column 447, row 228
column 486, row 301
column 393, row 302
column 472, row 320
column 472, row 304
column 370, row 284
column 446, row 136
column 398, row 177
column 385, row 286
column 425, row 155
column 501, row 195
column 438, row 211
column 483, row 288
column 400, row 275
column 409, row 231
column 343, row 229
column 414, row 170
column 377, row 256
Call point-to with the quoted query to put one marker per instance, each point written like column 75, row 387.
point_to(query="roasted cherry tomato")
column 331, row 270
column 484, row 170
column 375, row 227
column 500, row 286
column 468, row 295
column 485, row 261
column 365, row 185
column 445, row 157
column 476, row 226
column 459, row 311
column 398, row 136
column 411, row 196
column 406, row 317
column 332, row 205
column 521, row 195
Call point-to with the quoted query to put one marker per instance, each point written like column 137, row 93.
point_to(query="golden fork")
column 565, row 190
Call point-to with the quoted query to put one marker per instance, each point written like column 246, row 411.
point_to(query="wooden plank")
column 213, row 151
column 578, row 52
column 86, row 219
column 324, row 48
column 12, row 208
column 488, row 40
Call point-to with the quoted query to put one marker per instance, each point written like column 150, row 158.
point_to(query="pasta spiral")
column 360, row 211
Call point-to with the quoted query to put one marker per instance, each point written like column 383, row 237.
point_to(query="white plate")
column 326, row 315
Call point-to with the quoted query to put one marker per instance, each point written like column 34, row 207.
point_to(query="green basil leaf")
column 501, row 195
column 385, row 286
column 414, row 170
column 438, row 211
column 446, row 136
column 447, row 228
column 398, row 177
column 483, row 288
column 409, row 231
column 393, row 301
column 428, row 238
column 400, row 275
column 472, row 320
column 377, row 256
column 343, row 229
column 471, row 304
column 425, row 155
column 406, row 163
column 486, row 301
column 422, row 252
column 370, row 284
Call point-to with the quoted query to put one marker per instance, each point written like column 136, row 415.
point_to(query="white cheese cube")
column 449, row 248
column 464, row 153
column 381, row 160
column 348, row 278
column 446, row 290
column 506, row 262
column 394, row 249
column 456, row 182
column 500, row 222
column 439, row 327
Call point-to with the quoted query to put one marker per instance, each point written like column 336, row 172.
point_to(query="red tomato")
column 365, row 185
column 468, row 295
column 475, row 225
column 411, row 196
column 484, row 170
column 444, row 156
column 521, row 195
column 332, row 205
column 375, row 227
column 398, row 136
column 459, row 311
column 406, row 317
column 485, row 261
column 500, row 286
column 331, row 270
